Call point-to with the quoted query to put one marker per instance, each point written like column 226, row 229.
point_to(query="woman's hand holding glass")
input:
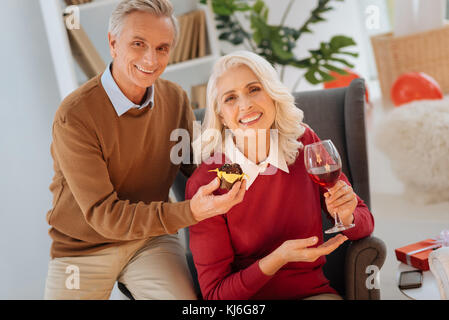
column 342, row 199
column 323, row 163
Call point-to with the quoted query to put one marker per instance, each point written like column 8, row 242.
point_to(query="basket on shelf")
column 426, row 52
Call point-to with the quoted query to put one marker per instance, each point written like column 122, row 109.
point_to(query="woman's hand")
column 298, row 250
column 341, row 199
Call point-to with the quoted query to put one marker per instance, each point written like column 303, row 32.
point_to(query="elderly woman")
column 270, row 246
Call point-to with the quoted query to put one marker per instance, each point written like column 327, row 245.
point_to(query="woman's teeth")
column 247, row 120
column 143, row 70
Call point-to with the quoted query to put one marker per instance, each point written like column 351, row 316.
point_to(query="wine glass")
column 323, row 164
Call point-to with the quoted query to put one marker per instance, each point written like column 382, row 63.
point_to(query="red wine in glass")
column 326, row 178
column 323, row 164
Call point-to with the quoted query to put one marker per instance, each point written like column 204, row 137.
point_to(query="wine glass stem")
column 337, row 220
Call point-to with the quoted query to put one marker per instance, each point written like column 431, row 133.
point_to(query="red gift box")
column 417, row 254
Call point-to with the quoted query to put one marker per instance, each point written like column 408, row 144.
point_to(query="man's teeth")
column 143, row 70
column 246, row 120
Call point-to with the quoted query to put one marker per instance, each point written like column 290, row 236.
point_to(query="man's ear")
column 112, row 40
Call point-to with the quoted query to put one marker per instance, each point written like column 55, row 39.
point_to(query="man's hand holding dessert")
column 229, row 173
column 341, row 199
column 205, row 205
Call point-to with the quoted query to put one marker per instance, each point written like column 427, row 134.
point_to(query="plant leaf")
column 342, row 61
column 353, row 54
column 305, row 63
column 280, row 52
column 333, row 68
column 338, row 42
column 225, row 36
column 238, row 39
column 258, row 6
column 310, row 76
column 325, row 77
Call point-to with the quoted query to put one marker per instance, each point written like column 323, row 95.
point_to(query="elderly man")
column 111, row 219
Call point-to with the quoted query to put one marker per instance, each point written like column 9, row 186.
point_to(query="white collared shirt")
column 252, row 170
column 119, row 101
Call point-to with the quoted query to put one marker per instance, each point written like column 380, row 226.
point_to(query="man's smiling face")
column 141, row 51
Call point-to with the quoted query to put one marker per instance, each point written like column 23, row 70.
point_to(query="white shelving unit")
column 94, row 18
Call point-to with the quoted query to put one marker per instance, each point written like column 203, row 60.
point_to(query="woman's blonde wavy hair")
column 288, row 118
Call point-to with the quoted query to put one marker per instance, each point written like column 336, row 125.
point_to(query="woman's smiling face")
column 243, row 102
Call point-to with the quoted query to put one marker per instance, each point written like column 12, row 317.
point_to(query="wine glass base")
column 338, row 228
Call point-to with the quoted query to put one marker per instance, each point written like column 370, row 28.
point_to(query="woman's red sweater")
column 227, row 248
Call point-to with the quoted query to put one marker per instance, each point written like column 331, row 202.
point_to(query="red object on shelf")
column 344, row 81
column 419, row 259
column 413, row 86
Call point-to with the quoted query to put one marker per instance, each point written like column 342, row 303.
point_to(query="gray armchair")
column 336, row 114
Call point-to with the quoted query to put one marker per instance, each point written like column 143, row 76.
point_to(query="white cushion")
column 415, row 136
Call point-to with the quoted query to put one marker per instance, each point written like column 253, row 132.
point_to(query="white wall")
column 28, row 100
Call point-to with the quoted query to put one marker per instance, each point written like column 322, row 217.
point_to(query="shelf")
column 97, row 4
column 190, row 73
column 190, row 63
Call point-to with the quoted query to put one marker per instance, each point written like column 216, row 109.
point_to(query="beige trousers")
column 153, row 269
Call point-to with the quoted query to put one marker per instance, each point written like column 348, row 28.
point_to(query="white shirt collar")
column 119, row 101
column 252, row 170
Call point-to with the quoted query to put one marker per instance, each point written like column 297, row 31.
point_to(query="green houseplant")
column 277, row 42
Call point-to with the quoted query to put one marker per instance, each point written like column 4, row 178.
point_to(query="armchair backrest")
column 336, row 114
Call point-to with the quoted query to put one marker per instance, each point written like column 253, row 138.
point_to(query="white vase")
column 430, row 15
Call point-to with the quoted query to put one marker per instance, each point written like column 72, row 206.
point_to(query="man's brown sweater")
column 113, row 174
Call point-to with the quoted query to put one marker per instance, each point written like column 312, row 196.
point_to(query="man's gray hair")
column 159, row 8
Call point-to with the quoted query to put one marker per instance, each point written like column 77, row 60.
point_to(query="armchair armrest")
column 361, row 254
